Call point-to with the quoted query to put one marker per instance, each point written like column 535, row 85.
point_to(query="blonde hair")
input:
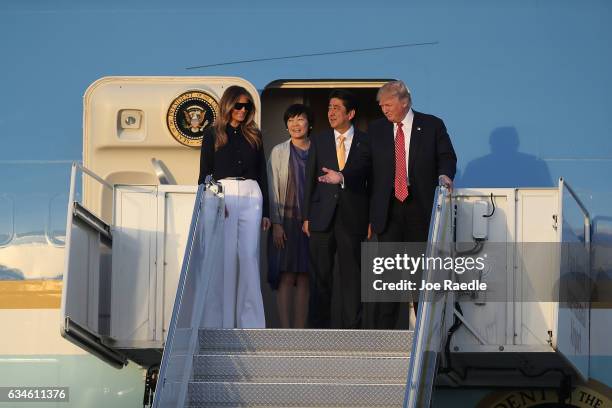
column 249, row 128
column 395, row 88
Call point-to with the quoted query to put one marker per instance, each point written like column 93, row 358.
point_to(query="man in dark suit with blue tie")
column 410, row 154
column 336, row 218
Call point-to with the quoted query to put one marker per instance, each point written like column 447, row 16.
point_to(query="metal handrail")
column 585, row 212
column 76, row 166
column 93, row 175
column 198, row 281
column 576, row 198
column 179, row 298
column 414, row 397
column 563, row 186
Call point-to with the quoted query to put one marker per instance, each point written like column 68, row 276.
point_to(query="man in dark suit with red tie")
column 336, row 218
column 410, row 154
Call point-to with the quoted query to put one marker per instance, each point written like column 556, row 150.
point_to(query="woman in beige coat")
column 288, row 253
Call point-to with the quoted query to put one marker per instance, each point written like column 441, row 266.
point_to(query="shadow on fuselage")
column 505, row 166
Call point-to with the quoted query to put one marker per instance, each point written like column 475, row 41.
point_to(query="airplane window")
column 7, row 219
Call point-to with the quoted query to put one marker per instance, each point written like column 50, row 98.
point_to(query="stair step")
column 306, row 342
column 222, row 394
column 303, row 369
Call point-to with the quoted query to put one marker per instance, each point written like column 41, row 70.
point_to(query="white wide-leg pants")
column 209, row 250
column 242, row 300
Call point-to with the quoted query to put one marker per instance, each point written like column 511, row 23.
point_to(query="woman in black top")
column 232, row 151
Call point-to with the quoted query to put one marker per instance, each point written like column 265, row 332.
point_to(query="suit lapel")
column 354, row 146
column 389, row 142
column 416, row 136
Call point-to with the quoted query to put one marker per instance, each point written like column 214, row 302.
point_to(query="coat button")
column 336, row 195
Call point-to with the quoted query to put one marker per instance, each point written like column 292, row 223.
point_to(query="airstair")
column 124, row 299
column 204, row 366
column 288, row 368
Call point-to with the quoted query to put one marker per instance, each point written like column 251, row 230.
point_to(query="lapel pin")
column 418, row 128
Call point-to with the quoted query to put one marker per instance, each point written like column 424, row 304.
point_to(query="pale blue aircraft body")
column 523, row 88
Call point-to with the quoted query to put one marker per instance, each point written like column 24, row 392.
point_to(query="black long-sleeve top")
column 237, row 158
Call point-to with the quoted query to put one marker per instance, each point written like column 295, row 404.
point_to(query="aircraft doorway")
column 275, row 99
column 278, row 95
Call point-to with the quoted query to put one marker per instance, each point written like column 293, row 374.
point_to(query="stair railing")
column 434, row 311
column 203, row 256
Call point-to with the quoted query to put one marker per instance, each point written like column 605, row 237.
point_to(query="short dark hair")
column 348, row 99
column 298, row 109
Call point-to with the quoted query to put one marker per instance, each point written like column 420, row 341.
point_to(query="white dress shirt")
column 348, row 139
column 407, row 128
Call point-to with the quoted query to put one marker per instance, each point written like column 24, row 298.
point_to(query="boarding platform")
column 135, row 289
column 142, row 241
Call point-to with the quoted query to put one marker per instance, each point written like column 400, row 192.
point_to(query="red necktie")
column 401, row 179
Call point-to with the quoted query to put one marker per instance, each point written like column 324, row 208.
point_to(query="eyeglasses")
column 247, row 105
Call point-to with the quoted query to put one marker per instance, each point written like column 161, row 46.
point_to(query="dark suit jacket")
column 431, row 154
column 321, row 200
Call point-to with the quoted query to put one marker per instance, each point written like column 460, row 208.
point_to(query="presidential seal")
column 589, row 395
column 189, row 115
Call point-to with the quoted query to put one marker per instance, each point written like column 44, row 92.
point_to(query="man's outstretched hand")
column 331, row 176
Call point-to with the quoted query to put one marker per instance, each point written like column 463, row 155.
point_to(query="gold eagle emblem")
column 189, row 115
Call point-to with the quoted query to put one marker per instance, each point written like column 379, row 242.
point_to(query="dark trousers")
column 406, row 223
column 323, row 246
